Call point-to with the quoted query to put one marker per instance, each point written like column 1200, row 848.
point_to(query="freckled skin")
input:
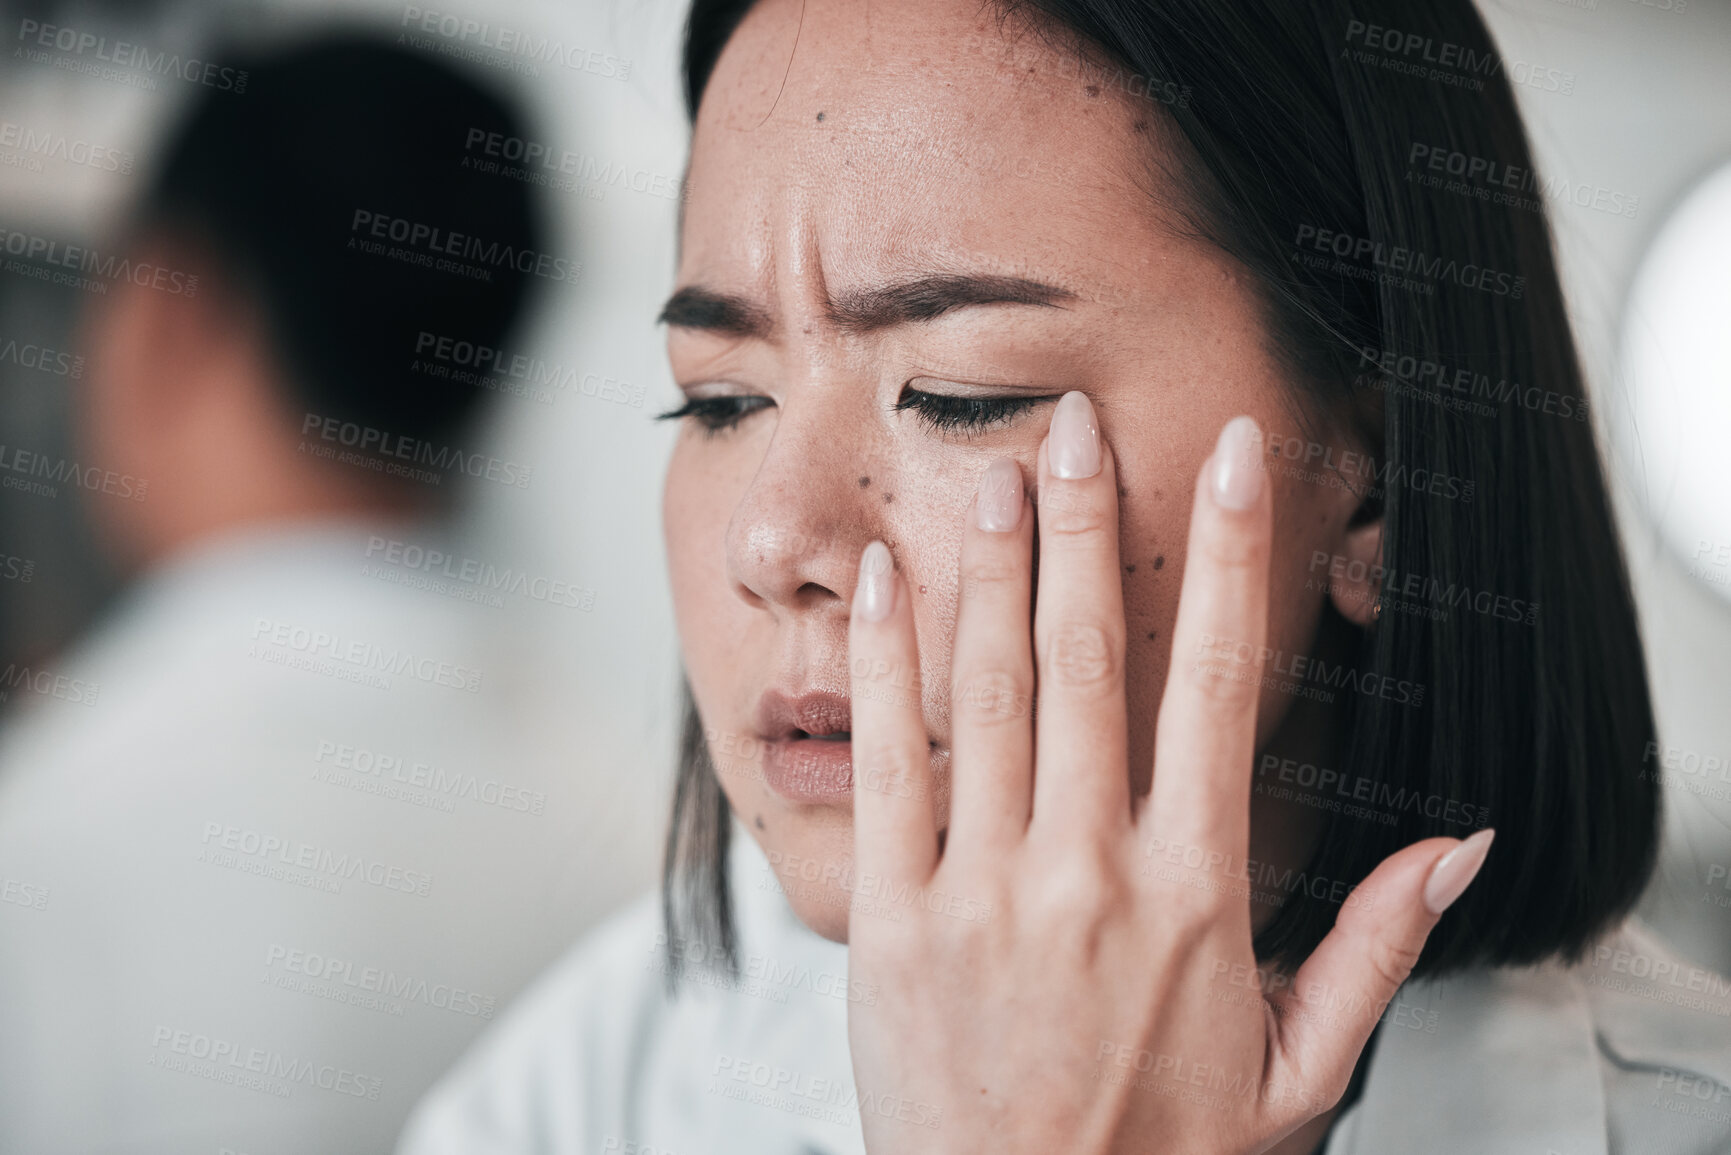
column 948, row 143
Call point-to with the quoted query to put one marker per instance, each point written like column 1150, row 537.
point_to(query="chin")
column 810, row 853
column 826, row 916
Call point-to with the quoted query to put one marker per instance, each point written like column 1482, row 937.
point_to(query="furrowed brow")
column 705, row 310
column 924, row 298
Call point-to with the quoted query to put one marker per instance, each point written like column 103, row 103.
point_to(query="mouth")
column 808, row 745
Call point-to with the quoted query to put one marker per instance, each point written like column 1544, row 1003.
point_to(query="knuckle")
column 1234, row 547
column 1076, row 890
column 888, row 769
column 1225, row 682
column 1083, row 655
column 991, row 575
column 991, row 697
column 1392, row 961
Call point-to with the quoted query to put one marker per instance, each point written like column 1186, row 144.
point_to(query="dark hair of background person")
column 1544, row 725
column 267, row 183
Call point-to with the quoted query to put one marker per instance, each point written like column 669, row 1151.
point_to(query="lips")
column 808, row 745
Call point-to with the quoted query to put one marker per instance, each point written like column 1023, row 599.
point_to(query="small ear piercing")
column 1376, row 610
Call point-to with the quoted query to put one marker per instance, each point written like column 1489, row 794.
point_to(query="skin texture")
column 900, row 140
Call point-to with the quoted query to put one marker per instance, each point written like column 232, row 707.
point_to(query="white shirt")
column 271, row 880
column 597, row 1060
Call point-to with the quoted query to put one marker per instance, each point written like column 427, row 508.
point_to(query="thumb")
column 1324, row 1019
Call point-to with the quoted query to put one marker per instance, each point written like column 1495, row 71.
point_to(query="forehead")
column 918, row 134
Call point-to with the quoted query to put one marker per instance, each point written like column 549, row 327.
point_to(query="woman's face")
column 904, row 202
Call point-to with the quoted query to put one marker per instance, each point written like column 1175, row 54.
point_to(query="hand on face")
column 1075, row 971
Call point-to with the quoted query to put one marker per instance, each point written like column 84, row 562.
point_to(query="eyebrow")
column 863, row 310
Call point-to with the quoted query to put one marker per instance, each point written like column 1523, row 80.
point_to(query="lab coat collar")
column 1491, row 1062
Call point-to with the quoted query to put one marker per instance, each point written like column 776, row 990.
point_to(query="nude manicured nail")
column 1451, row 876
column 998, row 509
column 876, row 592
column 1237, row 470
column 1073, row 443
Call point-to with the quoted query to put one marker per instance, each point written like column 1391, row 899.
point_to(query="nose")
column 795, row 538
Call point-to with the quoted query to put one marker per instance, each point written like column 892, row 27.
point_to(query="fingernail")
column 1451, row 876
column 1237, row 465
column 1073, row 449
column 875, row 593
column 998, row 509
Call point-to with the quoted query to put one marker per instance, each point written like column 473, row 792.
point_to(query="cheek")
column 696, row 503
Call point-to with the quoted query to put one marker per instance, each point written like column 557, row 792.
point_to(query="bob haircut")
column 1306, row 128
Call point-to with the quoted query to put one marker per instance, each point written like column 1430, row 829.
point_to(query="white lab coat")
column 259, row 892
column 597, row 1060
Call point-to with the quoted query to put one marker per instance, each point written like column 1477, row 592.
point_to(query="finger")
column 895, row 835
column 1205, row 738
column 1081, row 778
column 1324, row 1019
column 992, row 680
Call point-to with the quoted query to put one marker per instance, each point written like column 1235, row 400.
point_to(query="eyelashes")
column 947, row 413
column 940, row 413
column 715, row 414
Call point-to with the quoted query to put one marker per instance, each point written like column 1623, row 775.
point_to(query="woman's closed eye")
column 941, row 413
column 715, row 414
column 952, row 413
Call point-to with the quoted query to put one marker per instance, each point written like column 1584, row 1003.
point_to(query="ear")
column 1355, row 571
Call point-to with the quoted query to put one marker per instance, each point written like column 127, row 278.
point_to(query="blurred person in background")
column 268, row 849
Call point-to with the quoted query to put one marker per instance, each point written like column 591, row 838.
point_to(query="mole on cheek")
column 758, row 818
column 864, row 481
column 1159, row 561
column 889, row 497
